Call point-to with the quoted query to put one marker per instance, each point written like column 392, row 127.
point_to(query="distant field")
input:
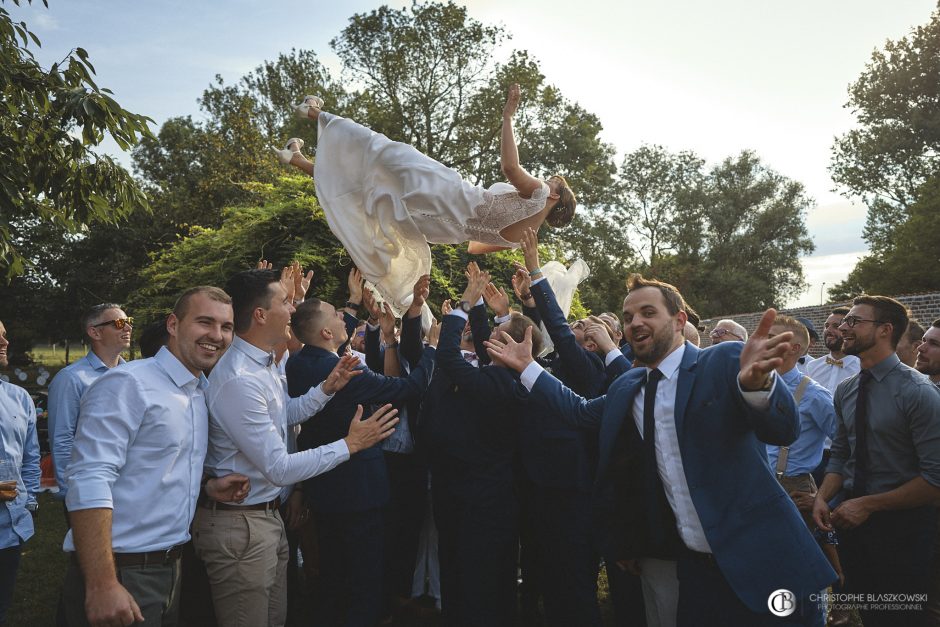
column 55, row 356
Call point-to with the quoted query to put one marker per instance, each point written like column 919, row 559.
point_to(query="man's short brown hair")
column 181, row 307
column 306, row 319
column 887, row 311
column 674, row 301
column 840, row 311
column 516, row 327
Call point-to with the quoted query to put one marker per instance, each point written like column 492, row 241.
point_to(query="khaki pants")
column 245, row 553
column 801, row 483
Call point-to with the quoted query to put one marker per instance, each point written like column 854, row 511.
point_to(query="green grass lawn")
column 42, row 569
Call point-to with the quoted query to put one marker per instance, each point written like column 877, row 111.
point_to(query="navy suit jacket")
column 758, row 538
column 470, row 416
column 362, row 482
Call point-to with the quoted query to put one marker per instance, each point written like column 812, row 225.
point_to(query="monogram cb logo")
column 781, row 602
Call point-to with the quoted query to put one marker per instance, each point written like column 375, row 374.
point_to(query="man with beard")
column 109, row 333
column 907, row 345
column 886, row 464
column 928, row 353
column 832, row 369
column 697, row 419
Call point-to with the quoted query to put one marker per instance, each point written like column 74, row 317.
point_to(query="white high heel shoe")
column 310, row 102
column 286, row 154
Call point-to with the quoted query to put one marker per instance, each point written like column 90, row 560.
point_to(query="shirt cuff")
column 342, row 451
column 318, row 392
column 758, row 399
column 479, row 302
column 460, row 313
column 502, row 319
column 372, row 327
column 612, row 356
column 530, row 374
column 538, row 280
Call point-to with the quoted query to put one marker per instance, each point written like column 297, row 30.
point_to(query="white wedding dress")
column 386, row 201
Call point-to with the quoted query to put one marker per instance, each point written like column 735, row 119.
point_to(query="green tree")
column 51, row 120
column 893, row 152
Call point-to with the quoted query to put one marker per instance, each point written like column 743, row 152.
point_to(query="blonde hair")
column 800, row 332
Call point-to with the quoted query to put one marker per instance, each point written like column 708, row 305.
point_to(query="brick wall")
column 925, row 307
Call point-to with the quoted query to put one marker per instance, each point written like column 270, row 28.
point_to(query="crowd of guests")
column 739, row 484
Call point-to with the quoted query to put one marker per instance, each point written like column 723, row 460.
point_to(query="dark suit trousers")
column 408, row 480
column 626, row 597
column 351, row 559
column 891, row 552
column 567, row 561
column 707, row 600
column 477, row 545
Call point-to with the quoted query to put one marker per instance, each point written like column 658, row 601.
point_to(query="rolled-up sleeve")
column 111, row 413
column 924, row 417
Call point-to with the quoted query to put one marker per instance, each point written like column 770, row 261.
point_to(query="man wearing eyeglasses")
column 109, row 333
column 728, row 331
column 886, row 463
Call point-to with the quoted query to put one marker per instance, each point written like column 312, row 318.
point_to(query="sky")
column 712, row 77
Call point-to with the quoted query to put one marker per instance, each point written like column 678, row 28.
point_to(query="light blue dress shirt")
column 65, row 397
column 250, row 413
column 817, row 422
column 20, row 449
column 139, row 450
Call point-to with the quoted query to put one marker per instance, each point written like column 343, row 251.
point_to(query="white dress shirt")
column 668, row 454
column 138, row 450
column 249, row 416
column 829, row 375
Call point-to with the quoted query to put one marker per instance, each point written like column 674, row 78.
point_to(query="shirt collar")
column 263, row 358
column 883, row 367
column 95, row 362
column 178, row 373
column 671, row 363
column 792, row 376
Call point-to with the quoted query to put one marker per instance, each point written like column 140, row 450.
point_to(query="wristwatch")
column 352, row 305
column 465, row 306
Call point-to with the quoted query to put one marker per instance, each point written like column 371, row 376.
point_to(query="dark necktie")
column 654, row 486
column 861, row 434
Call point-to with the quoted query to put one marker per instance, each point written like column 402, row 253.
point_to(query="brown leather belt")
column 151, row 558
column 273, row 505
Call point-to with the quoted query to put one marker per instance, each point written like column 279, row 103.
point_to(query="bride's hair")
column 563, row 211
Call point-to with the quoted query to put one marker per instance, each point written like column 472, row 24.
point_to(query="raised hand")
column 301, row 282
column 232, row 488
column 510, row 353
column 365, row 433
column 598, row 332
column 512, row 100
column 446, row 307
column 530, row 249
column 476, row 283
column 264, row 264
column 496, row 299
column 522, row 285
column 420, row 295
column 354, row 282
column 434, row 333
column 761, row 354
column 344, row 370
column 387, row 323
column 375, row 312
column 287, row 281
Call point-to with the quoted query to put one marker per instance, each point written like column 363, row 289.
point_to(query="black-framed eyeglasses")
column 717, row 333
column 851, row 321
column 119, row 323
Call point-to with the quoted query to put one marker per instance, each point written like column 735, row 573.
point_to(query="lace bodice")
column 502, row 207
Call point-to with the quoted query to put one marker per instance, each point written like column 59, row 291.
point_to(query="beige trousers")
column 245, row 553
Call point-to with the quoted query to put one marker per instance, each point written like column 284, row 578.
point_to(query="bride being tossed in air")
column 386, row 201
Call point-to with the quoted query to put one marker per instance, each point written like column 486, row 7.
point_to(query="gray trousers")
column 155, row 588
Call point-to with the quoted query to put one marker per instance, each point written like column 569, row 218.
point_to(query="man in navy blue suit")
column 745, row 550
column 349, row 502
column 472, row 416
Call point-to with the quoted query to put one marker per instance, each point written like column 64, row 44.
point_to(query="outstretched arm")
column 524, row 182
